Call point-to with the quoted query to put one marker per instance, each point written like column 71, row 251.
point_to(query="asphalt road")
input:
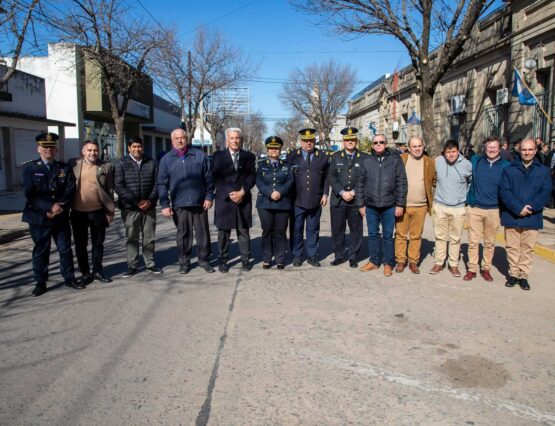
column 305, row 345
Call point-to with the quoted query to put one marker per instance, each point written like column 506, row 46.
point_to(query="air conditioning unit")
column 502, row 96
column 458, row 104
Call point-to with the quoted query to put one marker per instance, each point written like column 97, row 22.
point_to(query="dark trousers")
column 224, row 241
column 81, row 223
column 274, row 239
column 186, row 220
column 385, row 217
column 42, row 236
column 340, row 217
column 312, row 219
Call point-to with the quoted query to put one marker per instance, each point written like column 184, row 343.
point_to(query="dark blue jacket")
column 187, row 182
column 268, row 180
column 310, row 183
column 484, row 188
column 522, row 186
column 134, row 183
column 42, row 189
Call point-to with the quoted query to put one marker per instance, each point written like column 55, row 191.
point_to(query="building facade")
column 474, row 98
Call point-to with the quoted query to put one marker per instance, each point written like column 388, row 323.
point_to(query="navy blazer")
column 270, row 179
column 310, row 183
column 43, row 188
column 226, row 180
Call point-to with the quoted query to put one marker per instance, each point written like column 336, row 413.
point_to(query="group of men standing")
column 392, row 191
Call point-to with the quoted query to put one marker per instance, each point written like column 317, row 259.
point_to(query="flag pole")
column 532, row 93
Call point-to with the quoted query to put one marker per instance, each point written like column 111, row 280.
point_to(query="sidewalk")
column 11, row 226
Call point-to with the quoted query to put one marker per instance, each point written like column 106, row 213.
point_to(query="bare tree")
column 117, row 44
column 318, row 93
column 252, row 128
column 16, row 16
column 288, row 130
column 433, row 32
column 188, row 77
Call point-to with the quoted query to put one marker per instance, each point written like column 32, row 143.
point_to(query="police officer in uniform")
column 49, row 186
column 274, row 181
column 310, row 170
column 343, row 176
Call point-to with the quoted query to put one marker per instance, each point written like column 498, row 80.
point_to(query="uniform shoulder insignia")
column 298, row 151
column 29, row 162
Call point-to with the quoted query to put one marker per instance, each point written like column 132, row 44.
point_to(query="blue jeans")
column 386, row 217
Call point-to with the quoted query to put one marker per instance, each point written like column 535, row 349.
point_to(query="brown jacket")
column 104, row 179
column 430, row 178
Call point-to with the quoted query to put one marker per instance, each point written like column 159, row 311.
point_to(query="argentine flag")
column 524, row 95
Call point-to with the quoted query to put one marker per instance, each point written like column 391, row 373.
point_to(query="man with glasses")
column 524, row 191
column 49, row 186
column 343, row 174
column 483, row 199
column 383, row 190
column 310, row 167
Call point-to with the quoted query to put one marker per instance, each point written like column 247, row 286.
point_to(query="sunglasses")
column 378, row 143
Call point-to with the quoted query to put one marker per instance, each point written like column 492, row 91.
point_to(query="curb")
column 539, row 250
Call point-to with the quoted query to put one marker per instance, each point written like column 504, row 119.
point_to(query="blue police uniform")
column 43, row 186
column 274, row 215
column 310, row 175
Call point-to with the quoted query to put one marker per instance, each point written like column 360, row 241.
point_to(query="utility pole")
column 190, row 93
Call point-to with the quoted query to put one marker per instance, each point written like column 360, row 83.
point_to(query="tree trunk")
column 427, row 122
column 120, row 133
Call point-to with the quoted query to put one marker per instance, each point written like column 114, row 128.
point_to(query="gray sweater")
column 453, row 181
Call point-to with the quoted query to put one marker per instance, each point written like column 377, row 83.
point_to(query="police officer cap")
column 307, row 134
column 273, row 142
column 349, row 133
column 47, row 140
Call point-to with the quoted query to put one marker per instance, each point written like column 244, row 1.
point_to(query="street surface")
column 311, row 346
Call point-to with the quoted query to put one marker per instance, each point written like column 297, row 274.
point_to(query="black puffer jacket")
column 134, row 183
column 382, row 183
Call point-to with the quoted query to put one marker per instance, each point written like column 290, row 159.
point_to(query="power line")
column 323, row 52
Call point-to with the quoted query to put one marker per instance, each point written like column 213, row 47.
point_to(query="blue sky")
column 280, row 38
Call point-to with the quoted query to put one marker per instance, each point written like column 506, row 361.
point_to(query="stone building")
column 474, row 99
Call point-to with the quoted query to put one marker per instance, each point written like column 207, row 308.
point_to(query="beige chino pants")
column 483, row 225
column 520, row 250
column 448, row 227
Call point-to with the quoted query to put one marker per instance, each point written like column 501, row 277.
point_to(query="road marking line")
column 514, row 408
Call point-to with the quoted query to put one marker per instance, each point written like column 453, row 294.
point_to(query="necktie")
column 49, row 168
column 308, row 160
column 235, row 159
column 275, row 164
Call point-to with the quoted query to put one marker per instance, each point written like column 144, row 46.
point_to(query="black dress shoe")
column 297, row 261
column 86, row 279
column 208, row 268
column 511, row 282
column 312, row 261
column 155, row 270
column 280, row 266
column 266, row 266
column 130, row 272
column 222, row 267
column 99, row 277
column 73, row 283
column 353, row 263
column 337, row 262
column 184, row 269
column 39, row 289
column 523, row 282
column 246, row 266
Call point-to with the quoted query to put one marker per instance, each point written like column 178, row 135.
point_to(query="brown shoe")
column 413, row 267
column 387, row 270
column 436, row 269
column 368, row 267
column 454, row 271
column 486, row 275
column 400, row 267
column 469, row 276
